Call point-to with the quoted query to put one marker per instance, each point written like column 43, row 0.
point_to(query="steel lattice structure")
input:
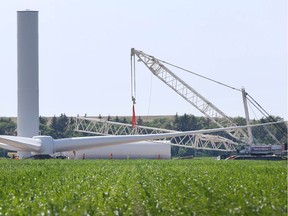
column 199, row 141
column 189, row 94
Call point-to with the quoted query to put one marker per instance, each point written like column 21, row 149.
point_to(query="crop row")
column 143, row 187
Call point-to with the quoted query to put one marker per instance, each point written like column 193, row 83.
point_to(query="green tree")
column 140, row 121
column 43, row 126
column 261, row 135
column 124, row 120
column 176, row 121
column 62, row 125
column 164, row 123
column 70, row 129
column 7, row 126
column 54, row 127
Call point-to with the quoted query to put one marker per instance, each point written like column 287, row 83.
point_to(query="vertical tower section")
column 27, row 73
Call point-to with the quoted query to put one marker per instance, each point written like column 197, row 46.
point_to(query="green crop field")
column 143, row 187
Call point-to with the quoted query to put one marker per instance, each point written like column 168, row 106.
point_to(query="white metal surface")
column 28, row 90
column 7, row 147
column 189, row 94
column 197, row 141
column 147, row 150
column 27, row 72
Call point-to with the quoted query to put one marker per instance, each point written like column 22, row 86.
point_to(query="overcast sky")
column 84, row 54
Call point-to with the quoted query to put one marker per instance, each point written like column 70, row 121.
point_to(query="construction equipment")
column 198, row 141
column 102, row 126
column 193, row 97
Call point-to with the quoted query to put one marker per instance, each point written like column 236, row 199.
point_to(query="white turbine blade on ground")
column 80, row 143
column 10, row 148
column 23, row 143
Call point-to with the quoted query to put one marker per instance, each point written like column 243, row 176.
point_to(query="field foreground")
column 143, row 187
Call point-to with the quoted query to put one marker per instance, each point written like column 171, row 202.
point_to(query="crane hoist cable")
column 259, row 107
column 133, row 89
column 133, row 79
column 265, row 113
column 196, row 74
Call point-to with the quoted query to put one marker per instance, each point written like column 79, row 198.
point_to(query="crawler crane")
column 157, row 67
column 193, row 97
column 197, row 141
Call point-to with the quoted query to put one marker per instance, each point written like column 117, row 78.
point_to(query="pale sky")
column 84, row 54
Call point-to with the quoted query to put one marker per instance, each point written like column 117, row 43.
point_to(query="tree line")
column 63, row 127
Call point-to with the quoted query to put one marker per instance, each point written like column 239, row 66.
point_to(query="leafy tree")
column 183, row 123
column 124, row 120
column 62, row 125
column 43, row 126
column 164, row 123
column 70, row 129
column 7, row 126
column 278, row 130
column 54, row 127
column 176, row 121
column 239, row 120
column 140, row 121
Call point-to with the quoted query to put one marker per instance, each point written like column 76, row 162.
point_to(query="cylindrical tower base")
column 28, row 67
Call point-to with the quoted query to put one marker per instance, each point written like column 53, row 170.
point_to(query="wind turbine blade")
column 78, row 143
column 23, row 143
column 10, row 148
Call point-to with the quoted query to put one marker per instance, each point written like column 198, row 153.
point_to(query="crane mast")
column 189, row 94
column 250, row 135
